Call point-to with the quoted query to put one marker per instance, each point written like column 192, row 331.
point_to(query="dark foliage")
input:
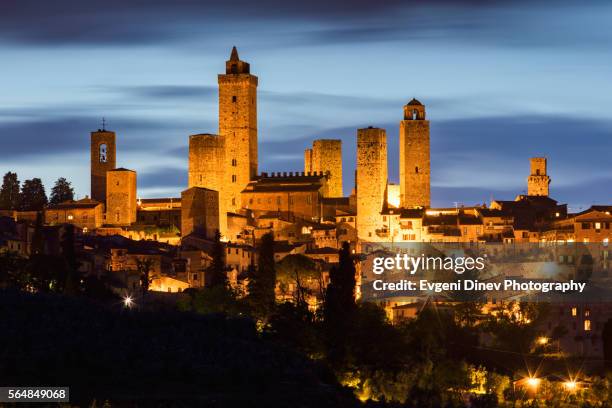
column 9, row 192
column 61, row 191
column 33, row 196
column 145, row 358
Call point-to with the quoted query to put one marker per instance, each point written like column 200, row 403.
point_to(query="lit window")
column 587, row 325
column 587, row 313
column 574, row 311
column 70, row 217
column 598, row 225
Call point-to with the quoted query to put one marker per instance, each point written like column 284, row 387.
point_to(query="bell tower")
column 238, row 126
column 414, row 157
column 103, row 158
column 538, row 181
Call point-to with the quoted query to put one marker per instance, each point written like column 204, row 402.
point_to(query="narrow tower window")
column 234, row 99
column 233, row 178
column 415, row 114
column 416, row 170
column 234, row 162
column 103, row 158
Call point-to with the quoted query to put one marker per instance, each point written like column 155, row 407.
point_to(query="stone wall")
column 121, row 197
column 371, row 180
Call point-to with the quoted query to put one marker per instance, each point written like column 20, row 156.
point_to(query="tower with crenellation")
column 103, row 159
column 414, row 157
column 326, row 156
column 238, row 127
column 371, row 181
column 207, row 169
column 538, row 181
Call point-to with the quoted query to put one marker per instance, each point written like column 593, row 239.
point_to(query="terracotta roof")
column 415, row 102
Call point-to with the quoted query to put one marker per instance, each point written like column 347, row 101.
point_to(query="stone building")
column 200, row 212
column 121, row 201
column 371, row 180
column 414, row 157
column 238, row 126
column 103, row 159
column 289, row 195
column 538, row 181
column 207, row 169
column 84, row 213
column 326, row 156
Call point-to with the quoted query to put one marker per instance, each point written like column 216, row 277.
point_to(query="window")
column 587, row 313
column 103, row 155
column 586, row 225
column 587, row 325
column 233, row 201
column 195, row 276
column 234, row 98
column 308, row 199
column 416, row 170
column 234, row 178
column 70, row 217
column 574, row 311
column 537, row 172
column 234, row 162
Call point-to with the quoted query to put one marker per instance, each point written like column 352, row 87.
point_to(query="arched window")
column 415, row 114
column 416, row 170
column 103, row 157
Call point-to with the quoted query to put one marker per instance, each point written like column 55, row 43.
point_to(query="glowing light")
column 542, row 340
column 128, row 302
column 570, row 385
column 533, row 382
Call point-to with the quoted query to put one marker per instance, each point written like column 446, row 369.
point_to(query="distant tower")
column 371, row 181
column 200, row 212
column 103, row 159
column 414, row 157
column 326, row 156
column 121, row 197
column 538, row 180
column 238, row 125
column 207, row 169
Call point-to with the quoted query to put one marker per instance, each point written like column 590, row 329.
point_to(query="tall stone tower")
column 414, row 157
column 121, row 197
column 200, row 212
column 538, row 180
column 207, row 170
column 238, row 125
column 326, row 156
column 103, row 159
column 371, row 181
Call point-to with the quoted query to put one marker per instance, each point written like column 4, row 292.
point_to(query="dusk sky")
column 502, row 81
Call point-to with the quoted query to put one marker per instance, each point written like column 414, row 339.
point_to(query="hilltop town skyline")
column 491, row 108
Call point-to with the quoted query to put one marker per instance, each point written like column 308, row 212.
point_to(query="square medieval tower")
column 238, row 127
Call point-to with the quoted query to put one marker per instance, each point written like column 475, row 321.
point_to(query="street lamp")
column 128, row 302
column 570, row 385
column 533, row 382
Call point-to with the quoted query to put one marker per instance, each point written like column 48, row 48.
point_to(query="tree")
column 144, row 266
column 9, row 192
column 33, row 196
column 216, row 273
column 262, row 279
column 339, row 305
column 62, row 191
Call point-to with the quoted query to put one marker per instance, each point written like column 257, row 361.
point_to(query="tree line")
column 31, row 195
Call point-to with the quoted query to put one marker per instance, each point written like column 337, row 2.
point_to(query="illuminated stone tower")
column 326, row 156
column 371, row 181
column 538, row 180
column 414, row 157
column 121, row 197
column 238, row 125
column 103, row 159
column 207, row 170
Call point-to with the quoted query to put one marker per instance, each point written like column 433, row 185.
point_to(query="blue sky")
column 502, row 81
